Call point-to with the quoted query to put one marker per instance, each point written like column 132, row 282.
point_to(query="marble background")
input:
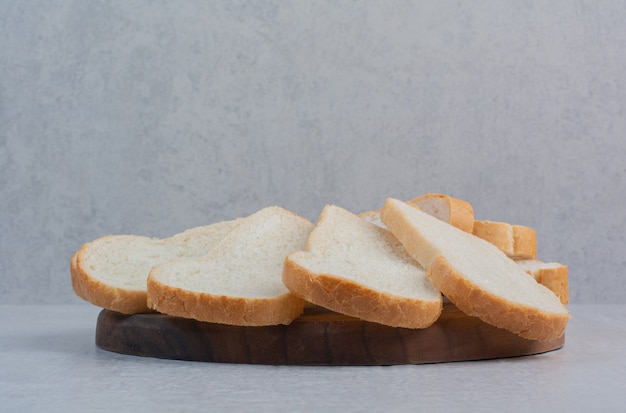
column 150, row 117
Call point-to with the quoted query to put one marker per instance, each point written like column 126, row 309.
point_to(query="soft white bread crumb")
column 553, row 275
column 476, row 276
column 111, row 271
column 357, row 268
column 239, row 281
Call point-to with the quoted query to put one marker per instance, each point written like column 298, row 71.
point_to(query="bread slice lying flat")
column 111, row 271
column 239, row 281
column 455, row 212
column 356, row 268
column 476, row 276
column 516, row 241
column 553, row 275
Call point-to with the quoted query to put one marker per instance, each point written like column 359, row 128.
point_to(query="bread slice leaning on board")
column 477, row 276
column 356, row 268
column 111, row 271
column 454, row 211
column 518, row 242
column 239, row 282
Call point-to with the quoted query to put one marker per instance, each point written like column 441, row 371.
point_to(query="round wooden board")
column 318, row 337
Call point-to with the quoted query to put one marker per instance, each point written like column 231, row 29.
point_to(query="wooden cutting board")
column 318, row 337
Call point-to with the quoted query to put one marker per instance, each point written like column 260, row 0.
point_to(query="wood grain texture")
column 318, row 337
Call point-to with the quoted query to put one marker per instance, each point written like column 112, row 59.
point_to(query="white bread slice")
column 476, row 276
column 553, row 275
column 239, row 281
column 516, row 241
column 455, row 212
column 359, row 269
column 111, row 271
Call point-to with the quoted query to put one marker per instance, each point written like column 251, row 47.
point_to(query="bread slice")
column 111, row 271
column 359, row 269
column 553, row 275
column 476, row 276
column 239, row 281
column 516, row 241
column 455, row 212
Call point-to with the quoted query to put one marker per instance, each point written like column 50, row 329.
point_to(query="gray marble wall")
column 150, row 117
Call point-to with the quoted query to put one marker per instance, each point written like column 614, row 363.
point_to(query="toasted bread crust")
column 461, row 212
column 350, row 298
column 221, row 309
column 102, row 295
column 525, row 321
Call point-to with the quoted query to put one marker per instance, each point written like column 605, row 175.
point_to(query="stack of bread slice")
column 111, row 271
column 518, row 242
column 389, row 266
column 228, row 272
column 239, row 281
column 477, row 276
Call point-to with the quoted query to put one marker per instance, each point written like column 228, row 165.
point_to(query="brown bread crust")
column 555, row 278
column 102, row 295
column 524, row 242
column 516, row 241
column 350, row 298
column 353, row 299
column 221, row 309
column 527, row 322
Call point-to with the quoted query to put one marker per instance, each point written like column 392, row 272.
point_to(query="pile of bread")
column 392, row 266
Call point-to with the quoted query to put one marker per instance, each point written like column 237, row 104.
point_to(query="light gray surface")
column 50, row 362
column 152, row 117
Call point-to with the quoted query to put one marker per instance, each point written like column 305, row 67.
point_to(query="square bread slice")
column 476, row 276
column 354, row 267
column 239, row 281
column 111, row 271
